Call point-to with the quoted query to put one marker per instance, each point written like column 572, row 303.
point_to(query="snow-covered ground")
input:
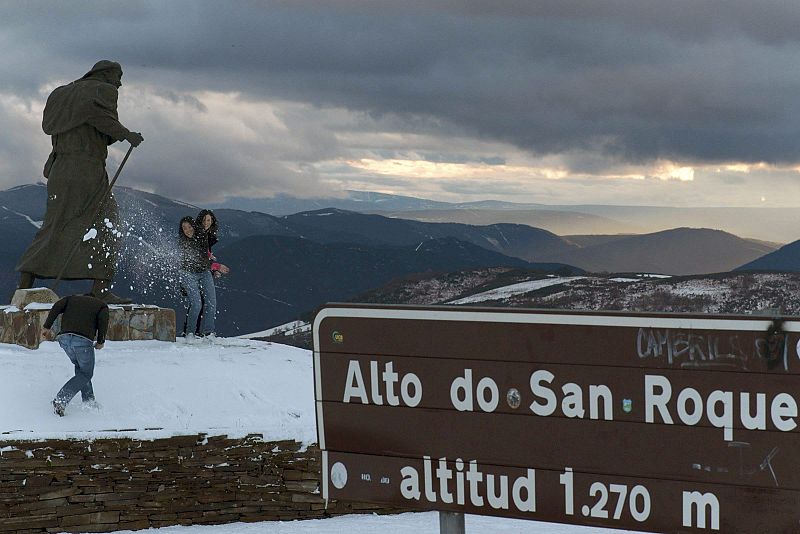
column 150, row 389
column 154, row 389
column 408, row 523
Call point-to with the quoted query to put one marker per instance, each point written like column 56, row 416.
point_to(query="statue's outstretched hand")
column 134, row 138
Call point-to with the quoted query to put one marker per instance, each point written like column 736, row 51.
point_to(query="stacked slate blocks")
column 119, row 483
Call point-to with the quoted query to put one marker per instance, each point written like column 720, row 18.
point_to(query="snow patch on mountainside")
column 515, row 289
column 287, row 329
column 37, row 224
column 735, row 292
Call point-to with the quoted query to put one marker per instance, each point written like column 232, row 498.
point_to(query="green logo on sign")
column 627, row 405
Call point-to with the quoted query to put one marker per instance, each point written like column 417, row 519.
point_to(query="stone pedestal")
column 42, row 295
column 126, row 322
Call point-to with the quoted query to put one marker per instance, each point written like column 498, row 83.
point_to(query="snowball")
column 91, row 234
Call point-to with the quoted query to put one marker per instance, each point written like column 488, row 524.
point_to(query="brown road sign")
column 656, row 422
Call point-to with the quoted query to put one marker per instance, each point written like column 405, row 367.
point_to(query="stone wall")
column 125, row 322
column 116, row 484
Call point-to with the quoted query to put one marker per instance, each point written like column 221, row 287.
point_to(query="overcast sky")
column 655, row 102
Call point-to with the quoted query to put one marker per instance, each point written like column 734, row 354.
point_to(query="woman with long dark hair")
column 195, row 276
column 206, row 223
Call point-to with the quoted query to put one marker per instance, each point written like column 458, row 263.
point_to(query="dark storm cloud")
column 634, row 81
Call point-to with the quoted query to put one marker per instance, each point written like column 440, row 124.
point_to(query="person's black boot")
column 101, row 290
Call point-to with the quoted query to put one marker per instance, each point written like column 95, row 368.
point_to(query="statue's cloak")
column 81, row 118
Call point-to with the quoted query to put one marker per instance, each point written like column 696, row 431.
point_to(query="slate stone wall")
column 117, row 484
column 126, row 322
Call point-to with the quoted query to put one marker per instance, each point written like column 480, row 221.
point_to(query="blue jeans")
column 81, row 353
column 195, row 285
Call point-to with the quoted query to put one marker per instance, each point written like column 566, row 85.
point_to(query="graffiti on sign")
column 692, row 348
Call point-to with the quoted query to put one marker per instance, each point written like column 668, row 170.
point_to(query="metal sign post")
column 647, row 422
column 451, row 523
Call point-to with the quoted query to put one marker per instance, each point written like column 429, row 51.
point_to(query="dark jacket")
column 194, row 253
column 211, row 233
column 81, row 314
column 212, row 240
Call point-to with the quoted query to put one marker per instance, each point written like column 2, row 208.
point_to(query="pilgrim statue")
column 82, row 214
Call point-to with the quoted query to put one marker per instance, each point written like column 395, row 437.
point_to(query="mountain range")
column 526, row 242
column 675, row 251
column 786, row 259
column 764, row 223
column 277, row 278
column 679, row 251
column 283, row 266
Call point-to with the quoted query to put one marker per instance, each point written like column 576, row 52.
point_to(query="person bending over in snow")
column 83, row 317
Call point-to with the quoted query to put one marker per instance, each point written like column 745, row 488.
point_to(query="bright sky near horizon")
column 677, row 103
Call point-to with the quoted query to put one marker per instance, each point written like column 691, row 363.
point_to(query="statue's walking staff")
column 106, row 192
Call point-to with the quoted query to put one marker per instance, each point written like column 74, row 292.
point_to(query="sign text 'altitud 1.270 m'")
column 659, row 423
